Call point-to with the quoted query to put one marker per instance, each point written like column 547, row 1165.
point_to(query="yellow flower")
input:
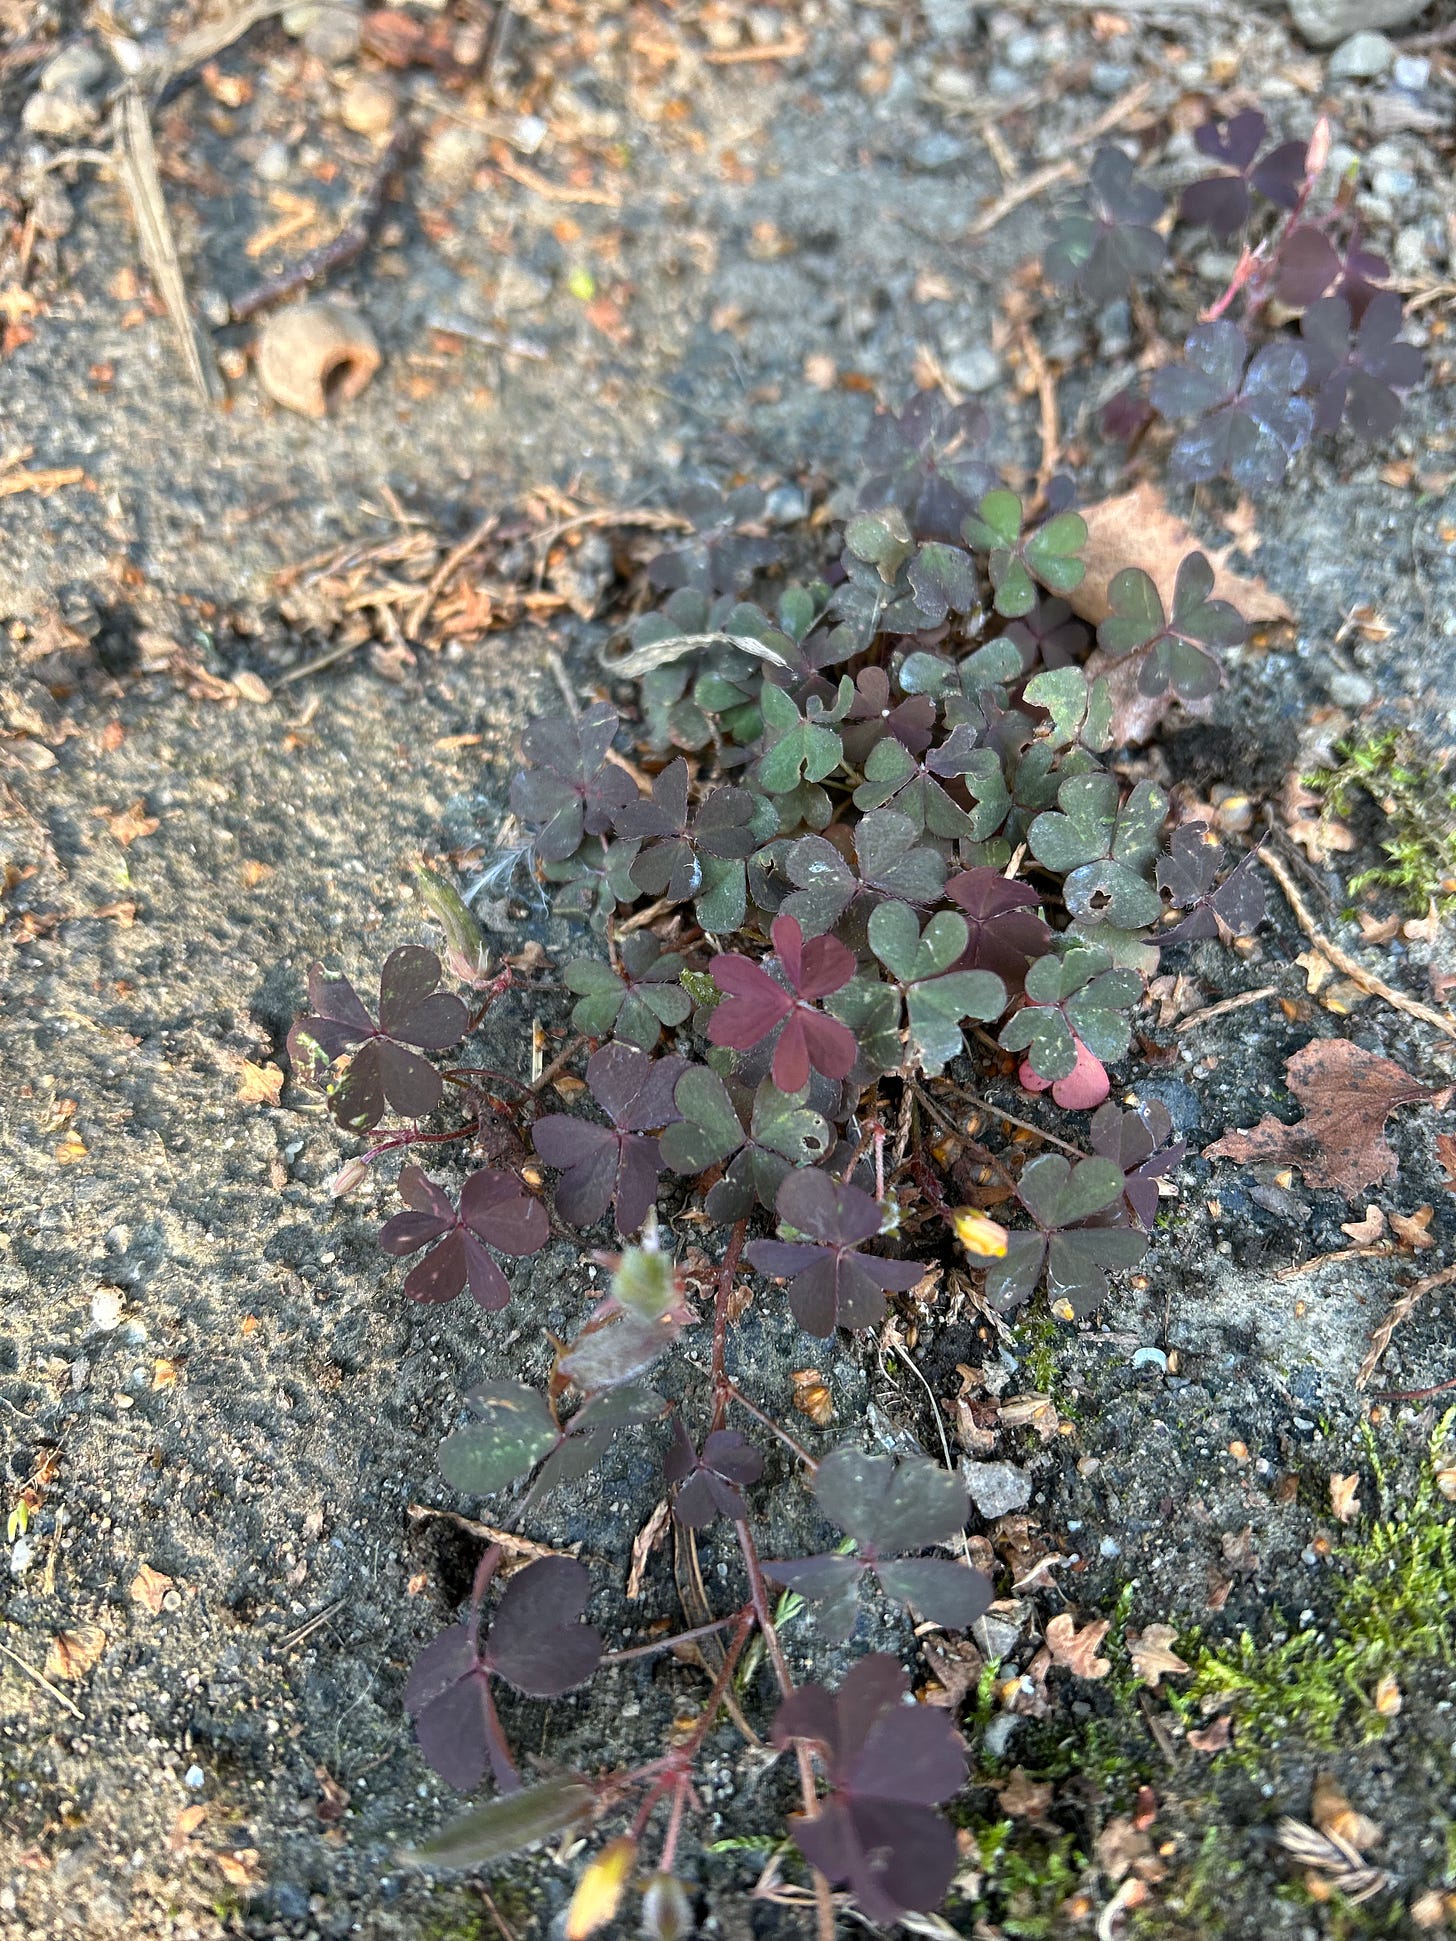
column 980, row 1236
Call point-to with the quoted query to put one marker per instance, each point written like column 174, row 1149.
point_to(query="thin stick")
column 1063, row 171
column 456, row 557
column 1317, row 1261
column 666, row 1644
column 1228, row 1004
column 522, row 1546
column 1341, row 959
column 1000, row 1112
column 44, row 1683
column 542, row 185
column 346, row 248
column 137, row 167
column 787, row 49
column 735, row 1394
column 1400, row 1311
column 558, row 1064
column 1046, row 392
column 309, row 1626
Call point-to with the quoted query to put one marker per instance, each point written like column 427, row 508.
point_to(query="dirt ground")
column 709, row 238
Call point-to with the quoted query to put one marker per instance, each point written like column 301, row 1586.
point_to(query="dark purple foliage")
column 668, row 864
column 831, row 1283
column 1222, row 202
column 1112, row 242
column 495, row 1210
column 1249, row 423
column 1357, row 379
column 755, row 1004
column 568, row 788
column 383, row 1071
column 536, row 1643
column 1186, row 878
column 1049, row 636
column 612, row 1165
column 1077, row 1241
column 888, row 1762
column 1311, row 265
column 924, row 461
column 1141, row 1142
column 711, row 1484
column 1006, row 934
column 875, row 713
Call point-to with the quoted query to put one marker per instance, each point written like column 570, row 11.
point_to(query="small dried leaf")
column 259, row 1084
column 1333, row 1814
column 1413, row 1229
column 1388, row 1696
column 600, row 1888
column 126, row 825
column 149, row 1587
column 1367, row 1231
column 241, row 1868
column 1076, row 1651
column 1345, row 1497
column 1152, row 1655
column 1022, row 1799
column 1214, row 1737
column 73, row 1653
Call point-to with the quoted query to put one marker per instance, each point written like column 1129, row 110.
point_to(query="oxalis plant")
column 870, row 849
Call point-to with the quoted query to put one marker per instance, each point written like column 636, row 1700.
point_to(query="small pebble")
column 368, row 107
column 63, row 115
column 527, row 133
column 787, row 505
column 106, row 1306
column 1411, row 72
column 1111, row 78
column 996, row 1488
column 976, row 369
column 1363, row 57
column 78, row 69
column 274, row 163
column 194, row 1777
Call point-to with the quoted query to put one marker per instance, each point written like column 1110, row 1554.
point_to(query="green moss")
column 1027, row 1876
column 1419, row 806
column 1197, row 1901
column 1394, row 1613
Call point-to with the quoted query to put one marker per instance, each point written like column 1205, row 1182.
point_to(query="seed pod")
column 315, row 354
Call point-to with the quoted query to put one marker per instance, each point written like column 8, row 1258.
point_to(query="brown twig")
column 44, row 1683
column 136, row 157
column 558, row 1064
column 487, row 1532
column 1063, row 171
column 1228, row 1004
column 1400, row 1310
column 1341, row 959
column 454, row 559
column 346, row 248
column 1046, row 392
column 1000, row 1112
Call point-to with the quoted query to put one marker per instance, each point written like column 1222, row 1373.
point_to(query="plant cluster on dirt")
column 857, row 838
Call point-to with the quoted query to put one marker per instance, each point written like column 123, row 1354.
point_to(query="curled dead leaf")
column 1137, row 529
column 149, row 1587
column 1076, row 1651
column 1333, row 1814
column 1216, row 1736
column 1152, row 1655
column 240, row 1868
column 1365, row 1232
column 259, row 1084
column 1347, row 1095
column 73, row 1653
column 1345, row 1497
column 1022, row 1798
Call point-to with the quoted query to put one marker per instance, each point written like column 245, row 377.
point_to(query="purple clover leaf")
column 1222, row 202
column 1186, row 881
column 568, row 788
column 755, row 1005
column 1248, row 423
column 1005, row 934
column 1077, row 1239
column 536, row 1644
column 1357, row 379
column 831, row 1282
column 710, row 1484
column 614, row 1165
column 1110, row 243
column 384, row 1070
column 888, row 1762
column 495, row 1211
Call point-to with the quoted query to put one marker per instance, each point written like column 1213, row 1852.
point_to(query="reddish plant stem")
column 723, row 1293
column 859, row 1152
column 497, row 987
column 396, row 1141
column 823, row 1902
column 679, row 1637
column 1414, row 1394
column 674, row 1827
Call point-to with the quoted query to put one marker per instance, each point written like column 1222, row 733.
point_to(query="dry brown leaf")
column 1426, row 929
column 333, row 1800
column 126, row 825
column 1121, row 1846
column 73, row 1653
column 1377, row 930
column 1076, row 1651
column 260, row 1084
column 1137, row 529
column 1345, row 1497
column 1152, row 1654
column 186, row 1824
column 1238, row 1550
column 149, row 1587
column 1214, row 1737
column 643, row 1545
column 1347, row 1095
column 1022, row 1798
column 1388, row 1696
column 1365, row 1232
column 1446, row 1158
column 957, row 1665
column 1413, row 1229
column 241, row 1868
column 1333, row 1814
column 164, row 1373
